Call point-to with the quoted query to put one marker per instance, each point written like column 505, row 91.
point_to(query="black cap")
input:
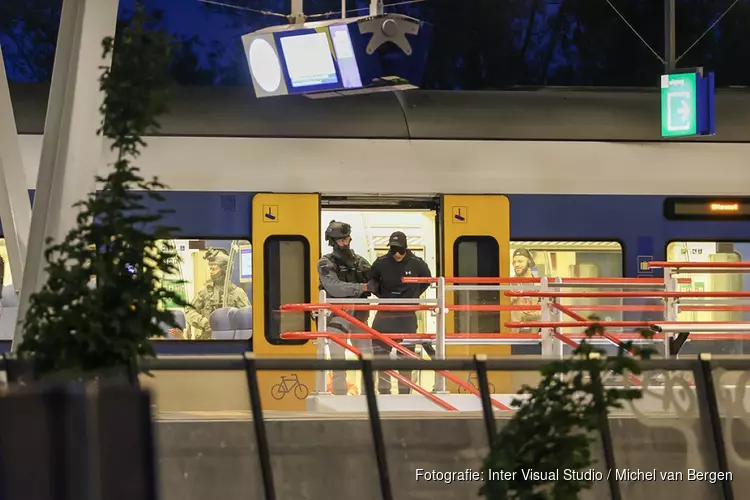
column 524, row 253
column 398, row 239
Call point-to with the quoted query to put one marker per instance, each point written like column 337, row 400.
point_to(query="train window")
column 567, row 259
column 217, row 276
column 712, row 251
column 286, row 279
column 5, row 277
column 476, row 256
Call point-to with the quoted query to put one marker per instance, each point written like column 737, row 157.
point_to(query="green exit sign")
column 679, row 104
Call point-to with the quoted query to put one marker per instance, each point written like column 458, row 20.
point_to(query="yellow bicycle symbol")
column 287, row 385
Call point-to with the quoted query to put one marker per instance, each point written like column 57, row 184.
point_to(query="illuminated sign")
column 687, row 104
column 707, row 208
column 338, row 57
column 725, row 207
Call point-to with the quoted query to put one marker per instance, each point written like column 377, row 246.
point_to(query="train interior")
column 371, row 227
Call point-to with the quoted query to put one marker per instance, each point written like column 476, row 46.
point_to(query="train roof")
column 560, row 114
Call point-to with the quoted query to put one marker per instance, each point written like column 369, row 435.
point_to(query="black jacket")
column 386, row 273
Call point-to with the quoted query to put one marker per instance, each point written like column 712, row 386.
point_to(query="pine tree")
column 555, row 427
column 73, row 328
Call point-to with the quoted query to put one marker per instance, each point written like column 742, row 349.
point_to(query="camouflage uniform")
column 210, row 297
column 343, row 274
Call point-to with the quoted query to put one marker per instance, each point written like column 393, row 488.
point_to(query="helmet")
column 337, row 230
column 217, row 256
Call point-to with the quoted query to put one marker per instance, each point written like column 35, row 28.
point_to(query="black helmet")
column 337, row 230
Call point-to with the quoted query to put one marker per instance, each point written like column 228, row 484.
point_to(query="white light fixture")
column 264, row 65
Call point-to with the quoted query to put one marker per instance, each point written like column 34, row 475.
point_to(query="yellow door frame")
column 466, row 216
column 296, row 216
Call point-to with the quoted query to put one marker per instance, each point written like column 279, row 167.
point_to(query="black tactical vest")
column 347, row 271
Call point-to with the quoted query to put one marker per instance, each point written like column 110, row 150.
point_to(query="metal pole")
column 669, row 35
column 547, row 334
column 670, row 307
column 711, row 419
column 321, row 376
column 298, row 12
column 605, row 433
column 368, row 381
column 343, row 9
column 264, row 454
column 484, row 392
column 440, row 333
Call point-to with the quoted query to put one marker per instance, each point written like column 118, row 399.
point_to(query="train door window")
column 215, row 277
column 568, row 259
column 712, row 251
column 286, row 281
column 476, row 256
column 371, row 230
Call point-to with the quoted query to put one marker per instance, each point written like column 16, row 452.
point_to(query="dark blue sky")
column 478, row 44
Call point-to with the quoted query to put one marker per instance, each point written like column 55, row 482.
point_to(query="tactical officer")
column 387, row 272
column 344, row 274
column 211, row 297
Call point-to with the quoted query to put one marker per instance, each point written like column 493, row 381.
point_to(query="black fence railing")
column 701, row 368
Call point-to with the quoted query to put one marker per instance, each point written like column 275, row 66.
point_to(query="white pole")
column 15, row 207
column 440, row 333
column 321, row 376
column 670, row 307
column 343, row 9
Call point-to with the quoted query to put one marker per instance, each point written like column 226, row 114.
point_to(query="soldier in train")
column 388, row 272
column 344, row 274
column 523, row 263
column 211, row 296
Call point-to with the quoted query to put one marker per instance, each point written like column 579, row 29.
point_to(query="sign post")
column 687, row 104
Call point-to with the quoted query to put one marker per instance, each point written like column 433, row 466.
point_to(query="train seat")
column 242, row 322
column 221, row 323
column 179, row 317
column 9, row 312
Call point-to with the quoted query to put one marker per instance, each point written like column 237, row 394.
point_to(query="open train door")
column 286, row 248
column 476, row 243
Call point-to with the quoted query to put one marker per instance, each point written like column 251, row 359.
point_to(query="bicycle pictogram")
column 287, row 385
column 473, row 381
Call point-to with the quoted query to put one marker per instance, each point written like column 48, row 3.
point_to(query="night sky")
column 478, row 44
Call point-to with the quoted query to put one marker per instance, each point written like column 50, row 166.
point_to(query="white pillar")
column 15, row 207
column 71, row 149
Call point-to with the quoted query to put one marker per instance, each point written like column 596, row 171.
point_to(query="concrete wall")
column 333, row 458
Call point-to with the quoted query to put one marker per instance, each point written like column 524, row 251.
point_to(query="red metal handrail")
column 398, row 376
column 687, row 265
column 574, row 315
column 626, row 294
column 502, row 280
column 418, row 337
column 364, row 326
column 377, row 335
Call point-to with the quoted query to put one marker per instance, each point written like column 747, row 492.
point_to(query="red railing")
column 338, row 311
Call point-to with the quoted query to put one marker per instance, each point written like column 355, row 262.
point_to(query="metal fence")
column 701, row 368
